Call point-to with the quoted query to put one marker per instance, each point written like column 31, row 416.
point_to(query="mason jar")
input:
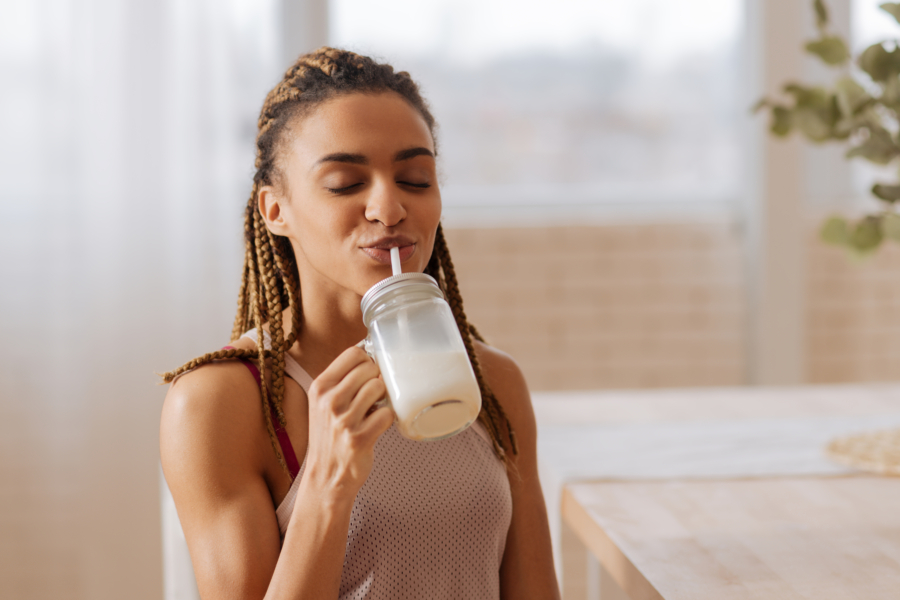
column 413, row 338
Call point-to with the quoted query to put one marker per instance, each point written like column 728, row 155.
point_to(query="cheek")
column 318, row 228
column 427, row 209
column 428, row 217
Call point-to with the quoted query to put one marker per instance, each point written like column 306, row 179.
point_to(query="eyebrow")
column 359, row 159
column 412, row 153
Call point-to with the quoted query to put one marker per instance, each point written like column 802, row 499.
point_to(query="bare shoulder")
column 213, row 449
column 210, row 427
column 503, row 375
column 208, row 395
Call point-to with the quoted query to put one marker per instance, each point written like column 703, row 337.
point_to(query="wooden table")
column 788, row 538
column 667, row 521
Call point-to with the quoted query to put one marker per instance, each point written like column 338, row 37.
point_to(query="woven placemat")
column 876, row 451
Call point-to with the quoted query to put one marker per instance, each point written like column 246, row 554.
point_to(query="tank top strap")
column 291, row 367
column 297, row 373
column 287, row 449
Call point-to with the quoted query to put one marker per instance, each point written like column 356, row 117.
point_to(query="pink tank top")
column 430, row 521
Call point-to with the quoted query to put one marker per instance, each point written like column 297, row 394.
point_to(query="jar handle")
column 367, row 345
column 369, row 348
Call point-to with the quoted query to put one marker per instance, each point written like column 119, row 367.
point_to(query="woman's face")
column 359, row 179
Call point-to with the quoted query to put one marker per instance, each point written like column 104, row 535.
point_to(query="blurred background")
column 618, row 219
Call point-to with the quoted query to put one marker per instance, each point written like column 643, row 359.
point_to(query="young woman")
column 290, row 482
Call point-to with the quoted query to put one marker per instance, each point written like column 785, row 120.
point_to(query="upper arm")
column 527, row 570
column 211, row 457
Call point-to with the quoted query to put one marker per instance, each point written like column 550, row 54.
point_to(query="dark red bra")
column 290, row 457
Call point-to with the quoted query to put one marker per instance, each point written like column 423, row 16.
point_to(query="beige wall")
column 658, row 305
column 853, row 315
column 609, row 306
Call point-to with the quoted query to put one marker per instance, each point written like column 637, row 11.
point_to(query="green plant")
column 862, row 110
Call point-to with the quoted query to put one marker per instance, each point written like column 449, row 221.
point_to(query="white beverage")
column 414, row 337
column 433, row 394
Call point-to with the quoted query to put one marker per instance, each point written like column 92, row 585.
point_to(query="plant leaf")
column 850, row 96
column 892, row 8
column 888, row 193
column 813, row 97
column 842, row 129
column 866, row 236
column 821, row 14
column 891, row 94
column 760, row 104
column 879, row 63
column 815, row 112
column 815, row 124
column 782, row 121
column 831, row 49
column 835, row 231
column 890, row 226
column 879, row 148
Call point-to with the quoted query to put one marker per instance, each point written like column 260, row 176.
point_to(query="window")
column 870, row 25
column 570, row 103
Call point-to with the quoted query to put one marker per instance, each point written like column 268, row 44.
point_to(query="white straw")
column 395, row 260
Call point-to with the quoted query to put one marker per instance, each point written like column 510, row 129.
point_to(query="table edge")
column 616, row 563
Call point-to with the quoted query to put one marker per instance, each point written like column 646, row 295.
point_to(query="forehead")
column 367, row 124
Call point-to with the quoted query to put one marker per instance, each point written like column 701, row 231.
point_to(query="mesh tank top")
column 430, row 521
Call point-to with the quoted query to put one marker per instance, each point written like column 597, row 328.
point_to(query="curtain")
column 126, row 152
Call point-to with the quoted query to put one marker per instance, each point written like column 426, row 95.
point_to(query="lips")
column 380, row 250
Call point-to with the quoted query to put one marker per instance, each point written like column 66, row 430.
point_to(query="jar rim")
column 394, row 281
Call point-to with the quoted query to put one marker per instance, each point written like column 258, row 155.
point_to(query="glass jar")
column 414, row 339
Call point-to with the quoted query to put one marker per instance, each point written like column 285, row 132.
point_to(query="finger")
column 338, row 369
column 342, row 394
column 371, row 392
column 377, row 423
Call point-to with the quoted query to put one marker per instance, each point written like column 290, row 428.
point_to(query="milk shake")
column 414, row 338
column 433, row 394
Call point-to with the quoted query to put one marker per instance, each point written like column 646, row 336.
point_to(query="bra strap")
column 287, row 449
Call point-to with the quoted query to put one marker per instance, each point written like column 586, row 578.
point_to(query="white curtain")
column 126, row 151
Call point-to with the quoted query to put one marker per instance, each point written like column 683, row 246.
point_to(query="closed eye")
column 342, row 190
column 415, row 185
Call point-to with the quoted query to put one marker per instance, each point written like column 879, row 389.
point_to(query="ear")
column 270, row 209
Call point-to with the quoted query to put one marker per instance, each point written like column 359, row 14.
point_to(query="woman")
column 345, row 172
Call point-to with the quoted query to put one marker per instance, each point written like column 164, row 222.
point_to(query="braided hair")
column 270, row 280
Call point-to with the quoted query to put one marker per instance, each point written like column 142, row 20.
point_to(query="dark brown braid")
column 270, row 279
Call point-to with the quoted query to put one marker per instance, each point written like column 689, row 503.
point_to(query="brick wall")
column 612, row 306
column 659, row 305
column 854, row 315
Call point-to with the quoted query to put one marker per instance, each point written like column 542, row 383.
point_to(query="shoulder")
column 211, row 391
column 211, row 421
column 503, row 374
column 505, row 378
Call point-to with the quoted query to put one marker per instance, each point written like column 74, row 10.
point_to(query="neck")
column 330, row 323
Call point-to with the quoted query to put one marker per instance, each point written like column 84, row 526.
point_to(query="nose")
column 384, row 205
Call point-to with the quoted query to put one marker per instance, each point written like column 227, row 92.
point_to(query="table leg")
column 574, row 565
column 599, row 583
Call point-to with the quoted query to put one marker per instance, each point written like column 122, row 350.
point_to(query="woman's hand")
column 344, row 425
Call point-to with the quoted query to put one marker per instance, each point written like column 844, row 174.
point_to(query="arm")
column 214, row 451
column 527, row 570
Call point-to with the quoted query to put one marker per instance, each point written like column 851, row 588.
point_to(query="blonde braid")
column 476, row 334
column 273, row 303
column 255, row 285
column 224, row 354
column 285, row 267
column 242, row 317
